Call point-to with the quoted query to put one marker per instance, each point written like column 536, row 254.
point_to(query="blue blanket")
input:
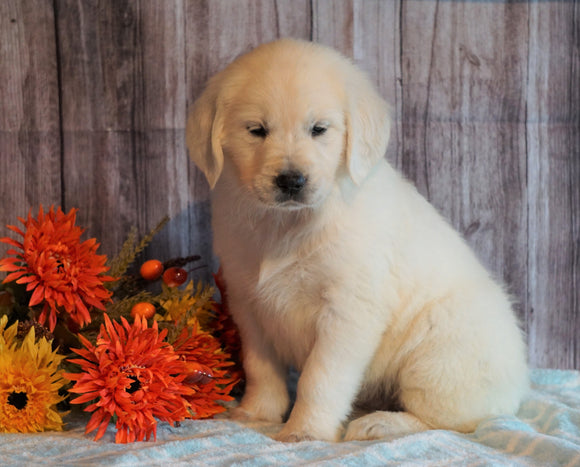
column 546, row 431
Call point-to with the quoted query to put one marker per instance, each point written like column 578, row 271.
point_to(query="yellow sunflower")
column 29, row 384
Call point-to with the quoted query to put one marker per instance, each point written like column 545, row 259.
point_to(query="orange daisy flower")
column 130, row 373
column 61, row 271
column 209, row 371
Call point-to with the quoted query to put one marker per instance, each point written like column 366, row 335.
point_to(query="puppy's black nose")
column 290, row 182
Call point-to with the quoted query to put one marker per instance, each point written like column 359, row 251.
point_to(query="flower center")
column 61, row 256
column 62, row 263
column 135, row 385
column 18, row 399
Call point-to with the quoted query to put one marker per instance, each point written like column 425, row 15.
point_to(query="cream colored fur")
column 359, row 284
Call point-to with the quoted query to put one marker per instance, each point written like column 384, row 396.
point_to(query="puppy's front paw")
column 293, row 436
column 240, row 414
column 243, row 414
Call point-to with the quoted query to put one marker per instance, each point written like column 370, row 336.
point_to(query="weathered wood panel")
column 553, row 141
column 485, row 98
column 30, row 165
column 123, row 79
column 464, row 136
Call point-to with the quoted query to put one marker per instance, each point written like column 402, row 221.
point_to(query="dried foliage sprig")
column 131, row 249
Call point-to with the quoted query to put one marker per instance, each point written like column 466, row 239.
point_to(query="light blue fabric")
column 545, row 432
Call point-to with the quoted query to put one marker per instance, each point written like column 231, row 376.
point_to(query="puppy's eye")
column 318, row 130
column 258, row 131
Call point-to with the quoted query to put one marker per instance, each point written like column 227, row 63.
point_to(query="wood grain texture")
column 100, row 80
column 464, row 136
column 30, row 146
column 122, row 68
column 333, row 24
column 485, row 99
column 553, row 134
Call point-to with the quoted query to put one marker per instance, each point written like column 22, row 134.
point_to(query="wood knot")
column 472, row 228
column 469, row 56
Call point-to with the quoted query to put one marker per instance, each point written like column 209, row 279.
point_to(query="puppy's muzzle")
column 290, row 185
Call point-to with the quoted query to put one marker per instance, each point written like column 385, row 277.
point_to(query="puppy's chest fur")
column 290, row 300
column 286, row 279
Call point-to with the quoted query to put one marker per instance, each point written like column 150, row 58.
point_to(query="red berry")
column 174, row 277
column 151, row 270
column 200, row 374
column 144, row 309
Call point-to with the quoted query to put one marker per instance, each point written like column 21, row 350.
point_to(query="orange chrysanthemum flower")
column 209, row 369
column 61, row 271
column 131, row 373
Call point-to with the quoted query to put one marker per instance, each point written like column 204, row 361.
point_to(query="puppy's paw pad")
column 293, row 437
column 381, row 425
column 362, row 430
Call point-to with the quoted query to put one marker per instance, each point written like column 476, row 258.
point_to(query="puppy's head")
column 290, row 119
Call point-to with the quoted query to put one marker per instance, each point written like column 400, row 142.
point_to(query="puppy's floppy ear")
column 204, row 132
column 367, row 126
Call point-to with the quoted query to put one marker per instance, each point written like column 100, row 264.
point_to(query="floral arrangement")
column 133, row 348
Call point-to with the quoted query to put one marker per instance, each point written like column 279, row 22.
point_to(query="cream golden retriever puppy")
column 337, row 266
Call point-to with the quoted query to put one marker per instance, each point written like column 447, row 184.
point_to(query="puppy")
column 337, row 266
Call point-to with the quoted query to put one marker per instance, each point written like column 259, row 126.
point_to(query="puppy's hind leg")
column 378, row 425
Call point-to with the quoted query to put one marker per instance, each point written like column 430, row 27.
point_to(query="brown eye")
column 318, row 130
column 258, row 131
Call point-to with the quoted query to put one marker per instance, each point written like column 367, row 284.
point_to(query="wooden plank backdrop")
column 485, row 98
